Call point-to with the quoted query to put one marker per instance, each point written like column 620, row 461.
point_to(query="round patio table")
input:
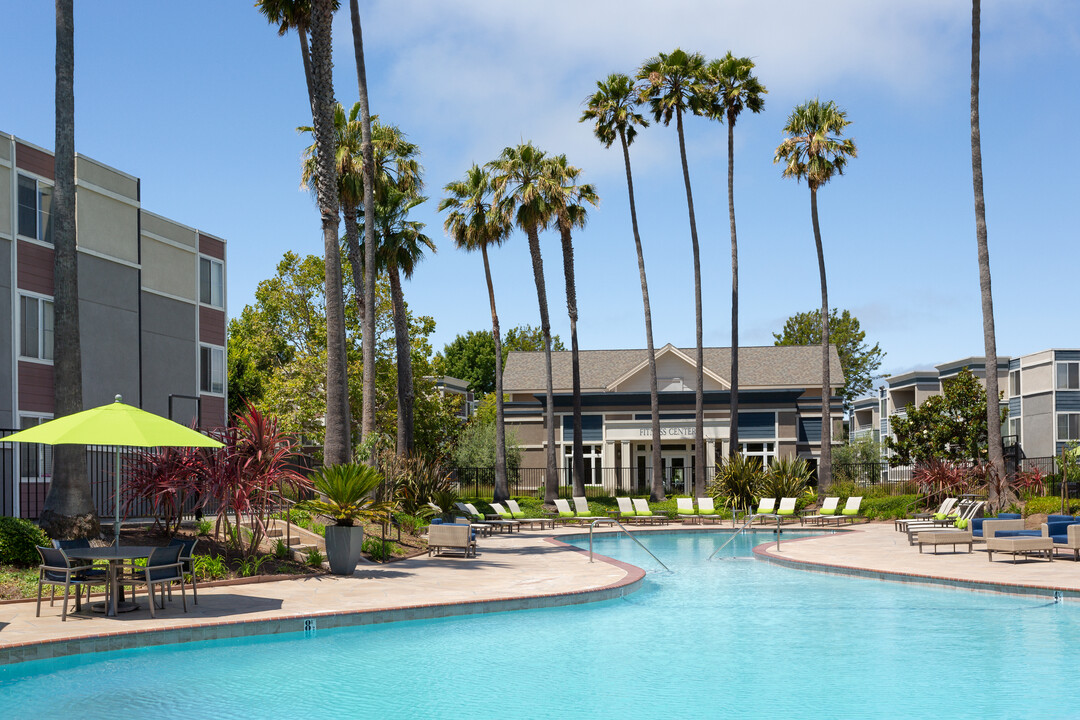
column 115, row 555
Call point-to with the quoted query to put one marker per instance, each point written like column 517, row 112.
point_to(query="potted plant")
column 346, row 495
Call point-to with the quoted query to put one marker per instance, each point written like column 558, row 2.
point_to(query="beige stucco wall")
column 5, row 147
column 169, row 269
column 668, row 366
column 170, row 230
column 786, row 426
column 1037, row 379
column 1039, row 426
column 103, row 176
column 106, row 225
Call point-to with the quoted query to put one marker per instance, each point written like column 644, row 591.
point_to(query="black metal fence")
column 898, row 479
column 26, row 472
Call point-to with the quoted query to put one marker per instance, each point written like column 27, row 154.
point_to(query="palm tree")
column 368, row 341
column 522, row 187
column 673, row 87
column 736, row 89
column 815, row 151
column 293, row 15
column 401, row 248
column 474, row 225
column 612, row 107
column 567, row 201
column 69, row 506
column 337, row 447
column 993, row 417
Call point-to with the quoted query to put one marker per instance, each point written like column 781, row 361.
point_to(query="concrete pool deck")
column 530, row 569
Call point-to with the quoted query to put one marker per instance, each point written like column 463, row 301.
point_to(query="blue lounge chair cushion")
column 1018, row 533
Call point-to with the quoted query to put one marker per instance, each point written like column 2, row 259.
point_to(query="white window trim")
column 1057, row 427
column 1059, row 363
column 224, row 371
column 18, row 331
column 41, row 449
column 212, row 260
column 15, row 208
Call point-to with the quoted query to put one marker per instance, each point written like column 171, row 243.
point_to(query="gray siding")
column 757, row 426
column 1039, row 426
column 809, row 430
column 1014, row 364
column 1014, row 407
column 170, row 355
column 1068, row 401
column 109, row 330
column 1067, row 355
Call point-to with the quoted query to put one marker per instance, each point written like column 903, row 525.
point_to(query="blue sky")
column 202, row 105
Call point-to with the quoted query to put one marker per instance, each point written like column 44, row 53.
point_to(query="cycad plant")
column 346, row 494
column 737, row 482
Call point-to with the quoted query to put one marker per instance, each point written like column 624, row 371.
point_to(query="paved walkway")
column 515, row 571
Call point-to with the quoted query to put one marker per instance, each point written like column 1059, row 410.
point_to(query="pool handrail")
column 628, row 533
column 749, row 521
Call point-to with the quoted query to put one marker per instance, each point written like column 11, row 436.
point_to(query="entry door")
column 678, row 474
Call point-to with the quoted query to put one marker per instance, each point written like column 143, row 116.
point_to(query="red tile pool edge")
column 762, row 552
column 60, row 647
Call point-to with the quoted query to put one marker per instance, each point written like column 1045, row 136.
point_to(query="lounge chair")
column 1065, row 534
column 626, row 508
column 707, row 511
column 966, row 515
column 565, row 514
column 828, row 510
column 581, row 508
column 494, row 519
column 946, row 514
column 786, row 509
column 515, row 511
column 686, row 511
column 767, row 506
column 645, row 513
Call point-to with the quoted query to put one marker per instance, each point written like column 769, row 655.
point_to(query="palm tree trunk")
column 305, row 56
column 825, row 462
column 404, row 366
column 337, row 445
column 571, row 309
column 502, row 488
column 551, row 476
column 993, row 412
column 356, row 263
column 69, row 508
column 657, row 494
column 699, row 390
column 367, row 425
column 733, row 432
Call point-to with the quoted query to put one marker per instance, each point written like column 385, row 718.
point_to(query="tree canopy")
column 950, row 426
column 277, row 356
column 472, row 356
column 858, row 360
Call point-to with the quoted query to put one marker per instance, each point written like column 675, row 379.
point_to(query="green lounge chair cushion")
column 961, row 524
column 827, row 511
column 506, row 515
column 785, row 512
column 850, row 512
column 939, row 516
column 565, row 514
column 706, row 512
column 644, row 512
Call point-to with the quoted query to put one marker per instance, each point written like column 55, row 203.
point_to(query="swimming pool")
column 724, row 638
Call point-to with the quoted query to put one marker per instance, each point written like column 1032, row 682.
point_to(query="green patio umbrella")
column 114, row 424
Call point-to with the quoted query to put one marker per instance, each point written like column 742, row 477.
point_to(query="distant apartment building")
column 151, row 296
column 448, row 386
column 1041, row 392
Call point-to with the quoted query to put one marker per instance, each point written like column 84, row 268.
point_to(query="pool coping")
column 304, row 622
column 762, row 552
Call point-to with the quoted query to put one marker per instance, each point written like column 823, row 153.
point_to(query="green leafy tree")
column 858, row 360
column 476, row 448
column 472, row 356
column 950, row 426
column 673, row 85
column 613, row 108
column 814, row 150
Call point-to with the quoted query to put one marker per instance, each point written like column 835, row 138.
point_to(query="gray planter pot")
column 343, row 547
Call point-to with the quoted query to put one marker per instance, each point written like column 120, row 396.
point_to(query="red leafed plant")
column 938, row 479
column 1030, row 482
column 243, row 479
column 165, row 477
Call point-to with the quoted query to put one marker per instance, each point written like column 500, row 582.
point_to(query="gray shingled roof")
column 790, row 365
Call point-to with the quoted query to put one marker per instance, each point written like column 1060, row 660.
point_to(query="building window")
column 1015, row 429
column 763, row 451
column 211, row 282
column 36, row 323
column 1014, row 383
column 35, row 203
column 591, row 461
column 1068, row 427
column 35, row 461
column 1068, row 376
column 211, row 369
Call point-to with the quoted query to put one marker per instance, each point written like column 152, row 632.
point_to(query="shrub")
column 888, row 508
column 281, row 550
column 1049, row 506
column 786, row 477
column 18, row 542
column 210, row 567
column 315, row 558
column 204, row 527
column 379, row 550
column 737, row 481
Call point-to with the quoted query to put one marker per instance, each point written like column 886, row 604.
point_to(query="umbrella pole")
column 116, row 509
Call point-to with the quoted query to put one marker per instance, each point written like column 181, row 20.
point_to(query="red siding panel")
column 34, row 160
column 211, row 326
column 35, row 387
column 213, row 412
column 210, row 246
column 35, row 272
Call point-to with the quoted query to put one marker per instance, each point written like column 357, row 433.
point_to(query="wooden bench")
column 450, row 537
column 944, row 537
column 1020, row 546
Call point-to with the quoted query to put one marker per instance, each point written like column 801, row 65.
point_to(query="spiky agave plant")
column 737, row 482
column 786, row 477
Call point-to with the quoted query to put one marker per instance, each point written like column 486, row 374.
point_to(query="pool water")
column 729, row 638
